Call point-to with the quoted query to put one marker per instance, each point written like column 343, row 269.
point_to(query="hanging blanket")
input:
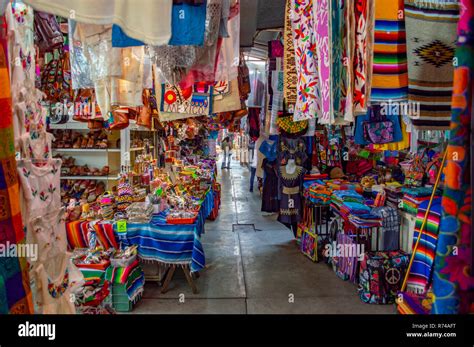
column 421, row 270
column 389, row 71
column 289, row 64
column 192, row 101
column 302, row 23
column 431, row 37
column 452, row 283
column 15, row 293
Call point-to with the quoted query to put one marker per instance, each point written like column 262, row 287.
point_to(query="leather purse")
column 120, row 119
column 47, row 31
column 144, row 116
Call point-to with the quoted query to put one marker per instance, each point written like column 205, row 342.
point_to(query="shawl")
column 451, row 279
column 431, row 37
column 15, row 293
column 389, row 70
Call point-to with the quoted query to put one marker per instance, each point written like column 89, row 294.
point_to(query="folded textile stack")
column 413, row 197
column 341, row 196
column 393, row 194
column 351, row 205
column 127, row 285
column 140, row 212
column 318, row 193
column 338, row 184
column 107, row 205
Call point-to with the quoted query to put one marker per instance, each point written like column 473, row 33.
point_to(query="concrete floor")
column 254, row 271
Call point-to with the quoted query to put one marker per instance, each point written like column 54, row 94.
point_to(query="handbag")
column 378, row 129
column 47, row 31
column 243, row 78
column 309, row 238
column 144, row 116
column 288, row 127
column 56, row 79
column 415, row 173
column 119, row 119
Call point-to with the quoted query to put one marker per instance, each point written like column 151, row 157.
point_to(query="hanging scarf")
column 431, row 37
column 452, row 282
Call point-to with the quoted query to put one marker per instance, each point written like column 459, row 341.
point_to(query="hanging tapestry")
column 15, row 293
column 321, row 10
column 363, row 13
column 289, row 64
column 431, row 38
column 338, row 74
column 452, row 280
column 307, row 99
column 195, row 100
column 389, row 70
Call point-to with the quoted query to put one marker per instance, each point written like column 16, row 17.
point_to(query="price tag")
column 121, row 226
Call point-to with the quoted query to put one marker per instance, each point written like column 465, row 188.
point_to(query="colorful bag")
column 345, row 265
column 378, row 129
column 415, row 173
column 381, row 275
column 309, row 238
column 47, row 31
column 56, row 79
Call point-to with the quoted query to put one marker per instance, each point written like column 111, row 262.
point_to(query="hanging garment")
column 137, row 18
column 228, row 59
column 290, row 196
column 56, row 281
column 15, row 293
column 363, row 51
column 270, row 187
column 419, row 278
column 40, row 187
column 431, row 37
column 452, row 282
column 304, row 41
column 289, row 64
column 390, row 227
column 293, row 149
column 254, row 122
column 49, row 233
column 37, row 145
column 389, row 71
column 80, row 67
column 21, row 56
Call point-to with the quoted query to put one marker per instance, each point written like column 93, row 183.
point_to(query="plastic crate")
column 120, row 300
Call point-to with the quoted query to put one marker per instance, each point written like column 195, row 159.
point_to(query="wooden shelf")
column 139, row 148
column 88, row 150
column 97, row 178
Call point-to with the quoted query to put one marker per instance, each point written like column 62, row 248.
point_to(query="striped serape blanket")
column 131, row 276
column 422, row 267
column 77, row 232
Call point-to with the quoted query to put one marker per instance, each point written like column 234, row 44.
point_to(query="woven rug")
column 389, row 70
column 289, row 64
column 431, row 37
column 452, row 283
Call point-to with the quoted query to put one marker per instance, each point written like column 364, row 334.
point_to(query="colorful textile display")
column 289, row 65
column 389, row 70
column 302, row 22
column 452, row 282
column 15, row 294
column 421, row 270
column 431, row 37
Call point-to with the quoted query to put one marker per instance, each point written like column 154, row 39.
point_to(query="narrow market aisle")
column 253, row 266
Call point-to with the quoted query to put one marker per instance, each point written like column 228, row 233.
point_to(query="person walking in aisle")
column 225, row 146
